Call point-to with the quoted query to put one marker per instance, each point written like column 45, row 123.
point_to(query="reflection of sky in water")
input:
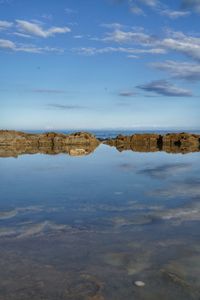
column 106, row 175
column 137, row 210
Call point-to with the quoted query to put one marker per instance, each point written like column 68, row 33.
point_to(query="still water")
column 88, row 228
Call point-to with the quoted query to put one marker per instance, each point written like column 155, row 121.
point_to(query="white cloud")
column 112, row 25
column 151, row 3
column 136, row 37
column 137, row 8
column 78, row 36
column 181, row 70
column 21, row 34
column 173, row 41
column 9, row 45
column 5, row 25
column 174, row 14
column 94, row 51
column 133, row 56
column 37, row 30
column 179, row 42
column 36, row 49
column 27, row 29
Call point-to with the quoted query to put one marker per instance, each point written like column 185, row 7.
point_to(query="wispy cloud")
column 127, row 94
column 136, row 10
column 26, row 29
column 48, row 91
column 78, row 36
column 122, row 36
column 7, row 44
column 94, row 51
column 164, row 88
column 112, row 25
column 35, row 29
column 5, row 25
column 137, row 7
column 182, row 43
column 23, row 35
column 65, row 106
column 174, row 14
column 181, row 70
column 10, row 45
column 152, row 3
column 176, row 41
column 70, row 11
column 188, row 45
column 191, row 4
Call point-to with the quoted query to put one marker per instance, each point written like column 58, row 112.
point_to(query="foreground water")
column 89, row 227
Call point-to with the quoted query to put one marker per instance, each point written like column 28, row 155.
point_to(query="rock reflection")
column 72, row 150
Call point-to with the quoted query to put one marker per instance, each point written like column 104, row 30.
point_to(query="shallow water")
column 89, row 227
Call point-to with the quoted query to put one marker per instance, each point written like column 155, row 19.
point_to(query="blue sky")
column 73, row 64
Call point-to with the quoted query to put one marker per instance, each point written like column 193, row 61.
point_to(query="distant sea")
column 110, row 133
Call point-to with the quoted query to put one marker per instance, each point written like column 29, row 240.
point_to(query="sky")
column 96, row 64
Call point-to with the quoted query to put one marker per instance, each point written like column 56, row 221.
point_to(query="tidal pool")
column 88, row 228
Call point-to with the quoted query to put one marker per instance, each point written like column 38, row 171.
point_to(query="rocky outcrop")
column 171, row 142
column 183, row 142
column 50, row 139
column 14, row 143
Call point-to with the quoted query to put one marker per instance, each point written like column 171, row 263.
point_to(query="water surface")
column 89, row 227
